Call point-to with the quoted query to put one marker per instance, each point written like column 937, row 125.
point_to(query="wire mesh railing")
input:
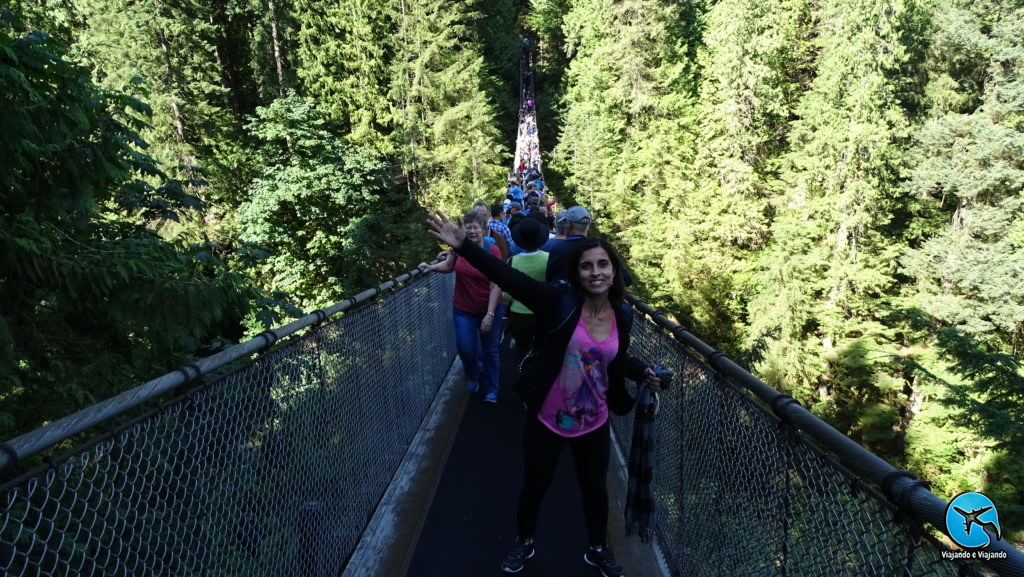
column 741, row 492
column 273, row 469
column 276, row 467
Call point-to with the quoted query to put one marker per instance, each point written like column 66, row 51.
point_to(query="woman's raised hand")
column 446, row 231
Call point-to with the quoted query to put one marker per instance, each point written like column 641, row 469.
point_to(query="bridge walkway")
column 471, row 522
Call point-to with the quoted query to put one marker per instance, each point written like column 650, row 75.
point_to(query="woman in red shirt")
column 477, row 312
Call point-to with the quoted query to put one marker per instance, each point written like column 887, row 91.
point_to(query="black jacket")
column 558, row 258
column 546, row 301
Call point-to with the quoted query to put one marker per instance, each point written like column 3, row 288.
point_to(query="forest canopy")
column 836, row 205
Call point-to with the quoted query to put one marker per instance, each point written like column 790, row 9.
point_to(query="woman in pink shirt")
column 578, row 376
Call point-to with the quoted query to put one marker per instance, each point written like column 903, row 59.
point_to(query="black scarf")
column 640, row 495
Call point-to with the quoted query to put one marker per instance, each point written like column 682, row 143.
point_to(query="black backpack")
column 528, row 366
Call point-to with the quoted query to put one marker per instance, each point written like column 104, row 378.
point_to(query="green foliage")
column 408, row 78
column 987, row 387
column 92, row 300
column 716, row 210
column 444, row 126
column 344, row 51
column 322, row 208
column 779, row 174
column 499, row 34
column 969, row 391
column 543, row 22
column 972, row 278
column 829, row 261
column 628, row 139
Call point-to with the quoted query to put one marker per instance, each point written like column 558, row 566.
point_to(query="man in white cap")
column 560, row 225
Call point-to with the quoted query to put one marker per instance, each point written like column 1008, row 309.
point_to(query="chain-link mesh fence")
column 740, row 493
column 273, row 469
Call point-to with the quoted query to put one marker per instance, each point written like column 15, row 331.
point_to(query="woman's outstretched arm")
column 535, row 295
column 447, row 265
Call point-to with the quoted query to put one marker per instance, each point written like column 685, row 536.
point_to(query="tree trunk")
column 278, row 60
column 179, row 122
column 170, row 81
column 406, row 104
column 226, row 62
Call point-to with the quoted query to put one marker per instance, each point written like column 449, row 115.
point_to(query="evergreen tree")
column 750, row 69
column 829, row 264
column 175, row 53
column 93, row 301
column 543, row 22
column 593, row 136
column 444, row 126
column 969, row 275
column 499, row 34
column 779, row 175
column 344, row 52
column 169, row 46
column 966, row 255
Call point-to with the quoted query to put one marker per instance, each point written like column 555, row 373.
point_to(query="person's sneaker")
column 516, row 558
column 603, row 560
column 472, row 386
column 491, row 398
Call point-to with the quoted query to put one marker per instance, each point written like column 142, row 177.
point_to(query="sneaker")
column 491, row 398
column 516, row 558
column 472, row 386
column 603, row 560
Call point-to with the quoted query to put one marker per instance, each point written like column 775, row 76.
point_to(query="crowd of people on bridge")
column 564, row 295
column 527, row 151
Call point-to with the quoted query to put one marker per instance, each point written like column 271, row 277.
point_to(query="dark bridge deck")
column 471, row 523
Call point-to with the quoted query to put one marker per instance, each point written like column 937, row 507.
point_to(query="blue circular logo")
column 967, row 518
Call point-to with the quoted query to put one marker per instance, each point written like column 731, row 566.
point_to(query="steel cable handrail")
column 28, row 444
column 905, row 490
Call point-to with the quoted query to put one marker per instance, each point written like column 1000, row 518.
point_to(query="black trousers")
column 590, row 453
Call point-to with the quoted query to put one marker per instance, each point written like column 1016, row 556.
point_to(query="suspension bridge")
column 344, row 443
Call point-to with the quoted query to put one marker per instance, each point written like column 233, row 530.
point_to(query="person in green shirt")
column 529, row 235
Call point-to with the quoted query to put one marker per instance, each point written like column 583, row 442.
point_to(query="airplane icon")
column 972, row 518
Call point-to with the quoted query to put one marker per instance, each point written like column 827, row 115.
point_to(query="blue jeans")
column 479, row 353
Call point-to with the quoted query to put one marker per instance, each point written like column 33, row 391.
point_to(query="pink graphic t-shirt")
column 576, row 403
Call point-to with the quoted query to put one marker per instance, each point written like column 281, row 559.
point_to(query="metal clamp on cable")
column 321, row 316
column 192, row 373
column 902, row 499
column 270, row 337
column 908, row 490
column 780, row 403
column 891, row 477
column 189, row 376
column 714, row 356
